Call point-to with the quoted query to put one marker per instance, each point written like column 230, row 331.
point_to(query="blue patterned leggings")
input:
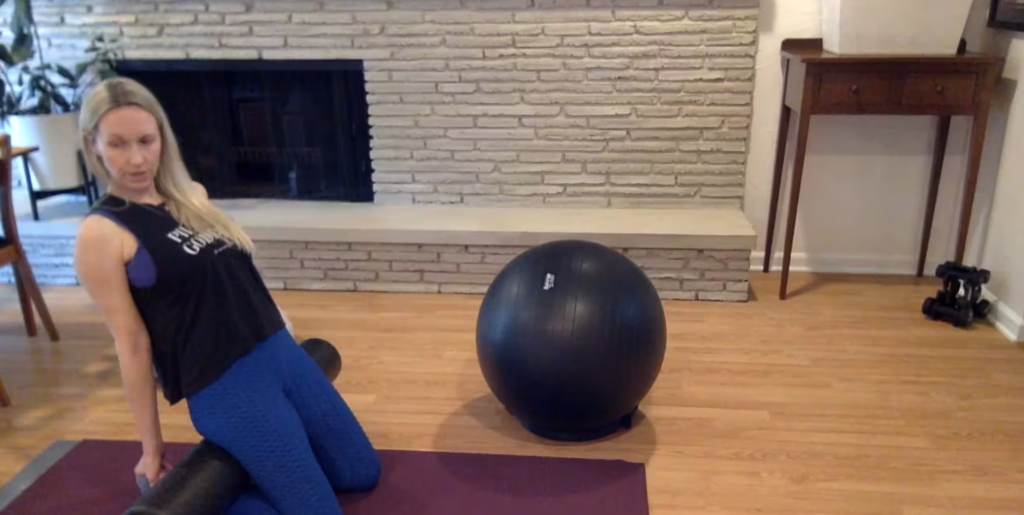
column 282, row 419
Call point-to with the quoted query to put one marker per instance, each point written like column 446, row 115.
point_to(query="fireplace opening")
column 266, row 128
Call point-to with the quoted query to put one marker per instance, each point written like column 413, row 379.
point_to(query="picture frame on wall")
column 1007, row 14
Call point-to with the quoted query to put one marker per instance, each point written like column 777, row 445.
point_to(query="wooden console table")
column 821, row 83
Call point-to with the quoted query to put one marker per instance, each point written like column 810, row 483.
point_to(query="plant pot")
column 55, row 165
column 927, row 27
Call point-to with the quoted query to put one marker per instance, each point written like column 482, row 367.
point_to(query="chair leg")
column 31, row 190
column 26, row 303
column 25, row 271
column 5, row 400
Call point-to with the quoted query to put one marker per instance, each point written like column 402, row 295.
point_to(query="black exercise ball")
column 570, row 338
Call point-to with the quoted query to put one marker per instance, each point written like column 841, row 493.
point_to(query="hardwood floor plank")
column 841, row 400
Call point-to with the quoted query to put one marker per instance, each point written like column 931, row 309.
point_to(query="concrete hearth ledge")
column 471, row 225
column 283, row 220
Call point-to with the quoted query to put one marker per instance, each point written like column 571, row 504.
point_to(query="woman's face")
column 128, row 142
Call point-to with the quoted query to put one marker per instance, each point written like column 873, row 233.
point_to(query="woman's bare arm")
column 100, row 264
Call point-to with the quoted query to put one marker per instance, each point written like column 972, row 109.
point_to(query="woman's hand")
column 152, row 467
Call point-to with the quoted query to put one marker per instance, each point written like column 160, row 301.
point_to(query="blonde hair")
column 173, row 181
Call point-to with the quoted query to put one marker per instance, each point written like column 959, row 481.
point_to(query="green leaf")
column 21, row 48
column 5, row 55
column 22, row 19
column 45, row 104
column 61, row 102
column 80, row 70
column 107, row 74
column 66, row 73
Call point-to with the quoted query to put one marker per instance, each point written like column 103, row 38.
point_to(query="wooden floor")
column 841, row 400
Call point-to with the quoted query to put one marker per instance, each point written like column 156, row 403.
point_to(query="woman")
column 174, row 279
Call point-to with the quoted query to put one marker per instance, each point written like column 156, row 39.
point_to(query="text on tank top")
column 202, row 300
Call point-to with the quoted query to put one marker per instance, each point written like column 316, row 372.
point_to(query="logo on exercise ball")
column 549, row 281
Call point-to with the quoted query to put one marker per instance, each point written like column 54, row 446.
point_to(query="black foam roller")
column 208, row 480
column 325, row 355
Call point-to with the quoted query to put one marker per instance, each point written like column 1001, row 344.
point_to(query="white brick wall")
column 686, row 274
column 682, row 274
column 503, row 97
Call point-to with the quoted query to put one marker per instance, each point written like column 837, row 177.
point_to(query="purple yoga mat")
column 95, row 478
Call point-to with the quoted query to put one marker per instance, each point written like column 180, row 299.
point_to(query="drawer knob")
column 855, row 89
column 940, row 89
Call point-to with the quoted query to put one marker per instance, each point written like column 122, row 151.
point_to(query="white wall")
column 1003, row 251
column 866, row 178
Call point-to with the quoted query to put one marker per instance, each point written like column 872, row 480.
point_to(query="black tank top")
column 203, row 301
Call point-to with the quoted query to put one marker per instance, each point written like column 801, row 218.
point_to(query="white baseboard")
column 847, row 263
column 1006, row 320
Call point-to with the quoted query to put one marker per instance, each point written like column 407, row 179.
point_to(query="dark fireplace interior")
column 267, row 129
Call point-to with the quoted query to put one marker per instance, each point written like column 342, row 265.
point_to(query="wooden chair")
column 12, row 253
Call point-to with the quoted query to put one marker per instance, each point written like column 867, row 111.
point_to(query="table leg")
column 86, row 185
column 939, row 158
column 973, row 167
column 91, row 190
column 794, row 197
column 31, row 190
column 780, row 161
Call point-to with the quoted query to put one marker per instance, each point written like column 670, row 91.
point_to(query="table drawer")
column 854, row 89
column 955, row 90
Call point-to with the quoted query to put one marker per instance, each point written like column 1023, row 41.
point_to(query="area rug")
column 95, row 478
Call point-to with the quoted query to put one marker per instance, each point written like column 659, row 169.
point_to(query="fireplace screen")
column 267, row 129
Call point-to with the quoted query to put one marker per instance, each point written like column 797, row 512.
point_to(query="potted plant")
column 40, row 100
